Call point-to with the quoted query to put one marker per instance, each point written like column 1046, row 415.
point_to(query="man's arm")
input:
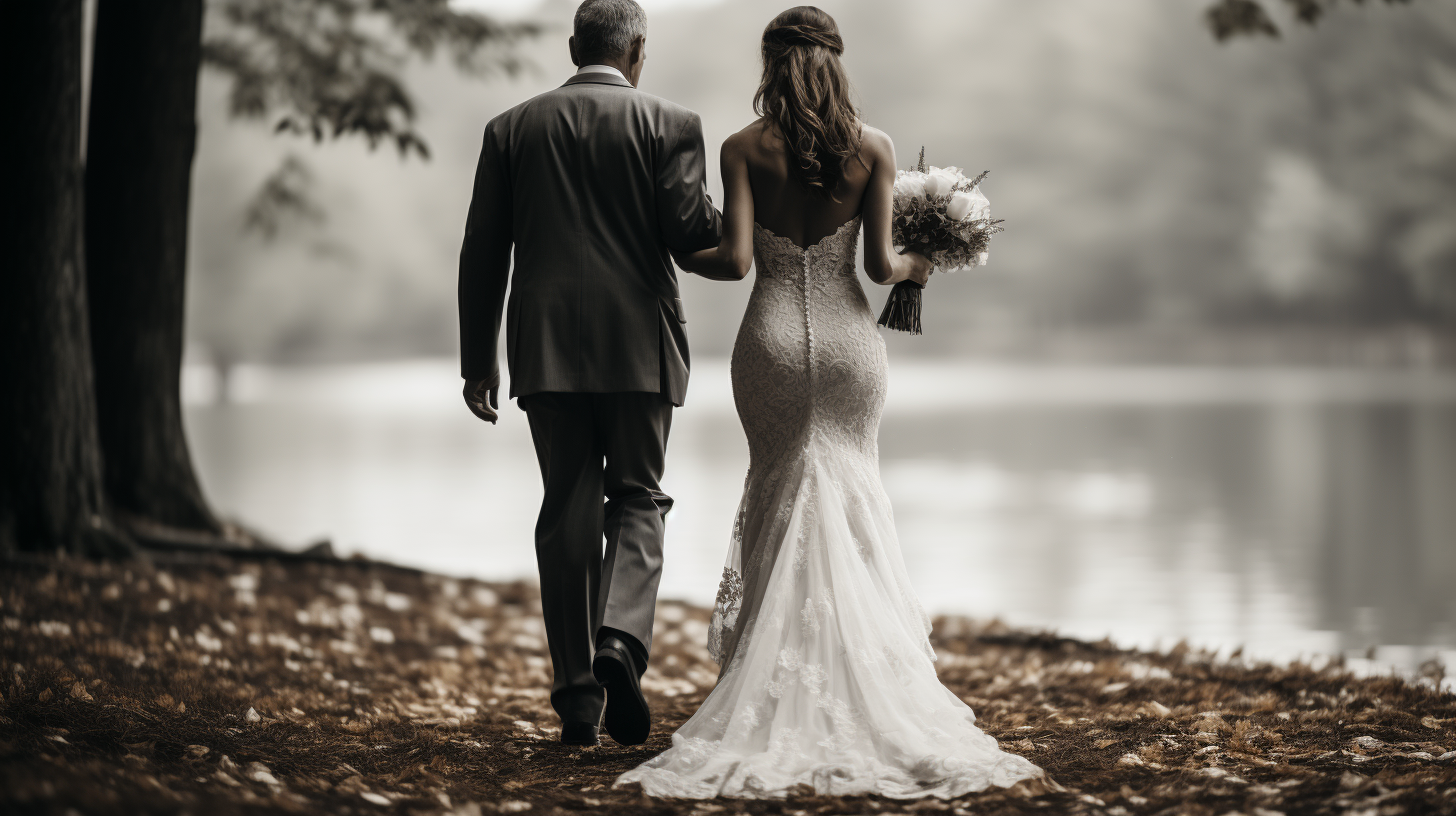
column 485, row 266
column 685, row 215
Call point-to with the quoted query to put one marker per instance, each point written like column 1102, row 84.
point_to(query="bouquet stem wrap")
column 902, row 308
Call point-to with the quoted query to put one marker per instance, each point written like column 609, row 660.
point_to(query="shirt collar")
column 599, row 69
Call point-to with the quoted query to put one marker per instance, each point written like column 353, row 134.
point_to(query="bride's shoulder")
column 755, row 134
column 875, row 143
column 753, row 139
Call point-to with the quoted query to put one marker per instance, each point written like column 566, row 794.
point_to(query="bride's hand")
column 920, row 266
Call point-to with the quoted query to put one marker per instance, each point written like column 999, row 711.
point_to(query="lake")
column 1295, row 513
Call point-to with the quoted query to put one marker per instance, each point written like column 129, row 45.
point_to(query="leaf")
column 1233, row 18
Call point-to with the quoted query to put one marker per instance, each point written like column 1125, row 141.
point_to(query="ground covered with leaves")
column 227, row 687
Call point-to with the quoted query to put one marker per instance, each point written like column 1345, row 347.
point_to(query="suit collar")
column 596, row 78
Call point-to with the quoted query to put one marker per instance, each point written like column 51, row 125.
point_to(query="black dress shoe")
column 627, row 717
column 578, row 733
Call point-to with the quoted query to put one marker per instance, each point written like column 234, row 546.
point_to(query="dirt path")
column 227, row 687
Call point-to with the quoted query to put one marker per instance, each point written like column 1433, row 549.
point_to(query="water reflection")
column 1292, row 512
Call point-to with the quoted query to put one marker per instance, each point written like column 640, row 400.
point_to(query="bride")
column 827, row 681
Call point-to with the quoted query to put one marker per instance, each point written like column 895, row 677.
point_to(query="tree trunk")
column 138, row 173
column 51, row 496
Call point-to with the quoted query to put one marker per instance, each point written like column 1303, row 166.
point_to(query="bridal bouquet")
column 942, row 214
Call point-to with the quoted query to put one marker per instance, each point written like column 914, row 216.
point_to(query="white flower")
column 968, row 205
column 939, row 182
column 959, row 206
column 910, row 184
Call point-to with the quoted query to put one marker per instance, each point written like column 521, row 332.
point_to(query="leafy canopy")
column 332, row 67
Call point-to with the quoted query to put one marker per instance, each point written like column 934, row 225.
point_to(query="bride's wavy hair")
column 805, row 92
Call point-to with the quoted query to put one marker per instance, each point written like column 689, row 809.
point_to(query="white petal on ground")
column 54, row 629
column 396, row 601
column 258, row 772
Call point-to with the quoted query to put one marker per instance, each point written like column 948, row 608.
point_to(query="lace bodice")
column 827, row 678
column 808, row 356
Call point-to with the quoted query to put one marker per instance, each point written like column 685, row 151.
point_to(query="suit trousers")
column 601, row 458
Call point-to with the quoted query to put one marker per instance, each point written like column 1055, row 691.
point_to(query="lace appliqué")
column 815, row 613
column 725, row 611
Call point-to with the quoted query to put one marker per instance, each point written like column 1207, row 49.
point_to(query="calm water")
column 1291, row 512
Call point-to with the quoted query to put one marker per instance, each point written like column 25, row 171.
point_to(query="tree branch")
column 331, row 68
column 1227, row 19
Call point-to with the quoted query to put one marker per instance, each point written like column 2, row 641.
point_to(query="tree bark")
column 142, row 134
column 51, row 496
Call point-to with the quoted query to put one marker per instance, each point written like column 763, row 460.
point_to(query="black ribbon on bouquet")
column 902, row 307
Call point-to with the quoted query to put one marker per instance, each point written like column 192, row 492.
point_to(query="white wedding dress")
column 828, row 682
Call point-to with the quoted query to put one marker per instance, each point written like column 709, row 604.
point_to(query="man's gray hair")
column 605, row 29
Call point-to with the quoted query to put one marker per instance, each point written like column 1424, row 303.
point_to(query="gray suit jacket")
column 592, row 183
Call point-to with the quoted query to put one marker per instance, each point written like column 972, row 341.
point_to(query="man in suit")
column 594, row 184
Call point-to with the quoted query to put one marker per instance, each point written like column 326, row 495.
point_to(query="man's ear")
column 571, row 46
column 638, row 52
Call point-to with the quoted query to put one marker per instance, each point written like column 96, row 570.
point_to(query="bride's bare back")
column 757, row 187
column 781, row 204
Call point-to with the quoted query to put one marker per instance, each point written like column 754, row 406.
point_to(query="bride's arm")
column 882, row 263
column 730, row 260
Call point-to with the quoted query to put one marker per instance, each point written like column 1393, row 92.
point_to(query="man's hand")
column 481, row 396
